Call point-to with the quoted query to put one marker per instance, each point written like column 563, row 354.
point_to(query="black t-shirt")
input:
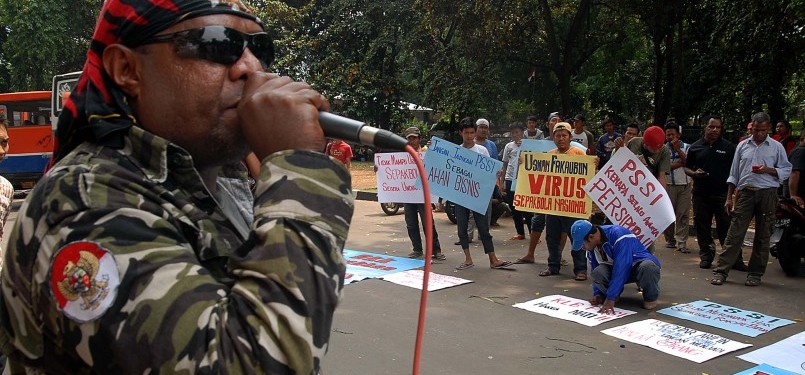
column 715, row 159
column 798, row 161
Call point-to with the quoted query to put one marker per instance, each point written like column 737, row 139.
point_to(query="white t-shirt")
column 511, row 153
column 479, row 149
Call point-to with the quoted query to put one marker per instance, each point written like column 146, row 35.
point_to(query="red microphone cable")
column 423, row 300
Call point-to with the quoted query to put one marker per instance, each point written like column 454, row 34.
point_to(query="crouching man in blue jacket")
column 616, row 258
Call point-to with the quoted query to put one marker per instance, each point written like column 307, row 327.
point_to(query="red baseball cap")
column 654, row 137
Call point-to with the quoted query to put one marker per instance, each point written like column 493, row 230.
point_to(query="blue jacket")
column 625, row 250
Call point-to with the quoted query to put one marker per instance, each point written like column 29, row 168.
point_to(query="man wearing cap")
column 606, row 143
column 412, row 210
column 582, row 135
column 617, row 257
column 651, row 150
column 482, row 138
column 130, row 255
column 556, row 225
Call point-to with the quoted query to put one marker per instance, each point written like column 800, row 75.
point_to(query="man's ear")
column 123, row 66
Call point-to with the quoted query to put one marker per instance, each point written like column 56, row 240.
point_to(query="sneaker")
column 415, row 255
column 438, row 256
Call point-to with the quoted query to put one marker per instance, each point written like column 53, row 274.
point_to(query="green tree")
column 45, row 38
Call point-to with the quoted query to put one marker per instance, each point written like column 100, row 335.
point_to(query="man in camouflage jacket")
column 134, row 255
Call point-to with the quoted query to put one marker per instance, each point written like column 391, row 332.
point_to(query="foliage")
column 640, row 60
column 44, row 38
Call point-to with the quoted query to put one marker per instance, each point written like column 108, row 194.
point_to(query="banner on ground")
column 350, row 278
column 413, row 279
column 398, row 178
column 683, row 342
column 460, row 175
column 364, row 265
column 554, row 184
column 788, row 354
column 572, row 309
column 745, row 322
column 538, row 145
column 626, row 191
column 764, row 369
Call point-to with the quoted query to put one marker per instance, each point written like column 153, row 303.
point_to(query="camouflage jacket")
column 122, row 262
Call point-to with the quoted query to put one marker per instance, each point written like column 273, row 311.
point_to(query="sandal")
column 718, row 279
column 517, row 238
column 548, row 273
column 504, row 265
column 581, row 276
column 752, row 282
column 523, row 261
column 464, row 266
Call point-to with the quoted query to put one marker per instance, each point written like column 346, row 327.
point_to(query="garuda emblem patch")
column 84, row 280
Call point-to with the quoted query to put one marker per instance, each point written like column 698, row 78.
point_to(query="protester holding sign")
column 412, row 210
column 652, row 152
column 467, row 128
column 556, row 224
column 760, row 163
column 617, row 258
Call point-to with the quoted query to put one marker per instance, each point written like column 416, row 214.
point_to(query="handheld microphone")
column 335, row 126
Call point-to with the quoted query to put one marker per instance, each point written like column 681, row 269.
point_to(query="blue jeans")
column 555, row 226
column 463, row 219
column 645, row 273
column 411, row 222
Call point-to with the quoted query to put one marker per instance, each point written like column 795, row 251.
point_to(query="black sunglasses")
column 218, row 44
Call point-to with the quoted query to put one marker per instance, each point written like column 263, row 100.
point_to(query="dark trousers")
column 555, row 225
column 645, row 273
column 760, row 204
column 412, row 210
column 705, row 208
column 481, row 223
column 522, row 219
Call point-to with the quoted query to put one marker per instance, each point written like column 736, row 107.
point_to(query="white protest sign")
column 626, row 191
column 413, row 279
column 683, row 342
column 398, row 178
column 788, row 354
column 460, row 175
column 572, row 309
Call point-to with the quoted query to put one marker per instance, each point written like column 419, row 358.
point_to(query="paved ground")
column 473, row 329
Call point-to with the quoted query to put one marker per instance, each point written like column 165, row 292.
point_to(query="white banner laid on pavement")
column 626, row 191
column 683, row 342
column 572, row 309
column 788, row 354
column 413, row 279
column 746, row 322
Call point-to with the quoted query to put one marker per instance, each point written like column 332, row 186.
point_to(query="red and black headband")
column 97, row 109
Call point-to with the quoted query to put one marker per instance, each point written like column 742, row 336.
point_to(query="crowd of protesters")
column 712, row 177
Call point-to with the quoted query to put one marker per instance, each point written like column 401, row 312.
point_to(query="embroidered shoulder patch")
column 84, row 280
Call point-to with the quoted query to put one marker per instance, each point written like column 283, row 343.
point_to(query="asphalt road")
column 473, row 328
